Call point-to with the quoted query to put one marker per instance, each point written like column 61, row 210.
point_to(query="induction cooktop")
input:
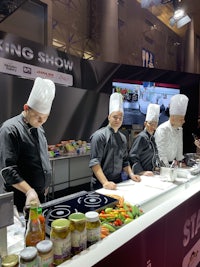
column 79, row 202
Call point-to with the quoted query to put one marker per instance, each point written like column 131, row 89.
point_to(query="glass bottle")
column 42, row 221
column 33, row 232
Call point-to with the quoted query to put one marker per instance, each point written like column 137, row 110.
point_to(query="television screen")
column 138, row 95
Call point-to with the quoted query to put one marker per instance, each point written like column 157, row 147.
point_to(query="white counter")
column 155, row 198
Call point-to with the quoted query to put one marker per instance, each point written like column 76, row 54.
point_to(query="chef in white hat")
column 169, row 135
column 109, row 156
column 143, row 154
column 24, row 161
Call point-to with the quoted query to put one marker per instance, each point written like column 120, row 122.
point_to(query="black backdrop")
column 78, row 111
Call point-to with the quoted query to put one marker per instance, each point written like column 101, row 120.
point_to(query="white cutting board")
column 137, row 193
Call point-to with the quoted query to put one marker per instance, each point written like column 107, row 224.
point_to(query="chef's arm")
column 130, row 173
column 23, row 186
column 97, row 170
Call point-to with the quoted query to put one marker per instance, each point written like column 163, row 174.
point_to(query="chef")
column 143, row 154
column 109, row 155
column 24, row 161
column 169, row 135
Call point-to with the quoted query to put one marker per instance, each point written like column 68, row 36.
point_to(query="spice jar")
column 28, row 257
column 60, row 235
column 78, row 232
column 11, row 260
column 93, row 227
column 45, row 253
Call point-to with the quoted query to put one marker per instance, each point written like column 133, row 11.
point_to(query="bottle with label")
column 42, row 221
column 93, row 227
column 78, row 232
column 28, row 257
column 60, row 235
column 45, row 253
column 33, row 232
column 11, row 260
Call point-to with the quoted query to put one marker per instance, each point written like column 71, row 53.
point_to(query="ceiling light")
column 58, row 43
column 178, row 14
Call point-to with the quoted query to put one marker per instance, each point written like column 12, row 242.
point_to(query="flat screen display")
column 138, row 95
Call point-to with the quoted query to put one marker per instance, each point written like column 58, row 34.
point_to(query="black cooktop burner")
column 78, row 202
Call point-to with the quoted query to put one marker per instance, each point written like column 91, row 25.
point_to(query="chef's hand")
column 148, row 173
column 135, row 177
column 110, row 185
column 31, row 195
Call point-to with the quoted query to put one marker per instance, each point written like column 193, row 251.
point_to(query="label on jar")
column 62, row 249
column 79, row 241
column 93, row 235
column 32, row 263
column 46, row 260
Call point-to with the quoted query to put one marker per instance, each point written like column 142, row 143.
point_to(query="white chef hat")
column 42, row 95
column 153, row 112
column 178, row 105
column 116, row 103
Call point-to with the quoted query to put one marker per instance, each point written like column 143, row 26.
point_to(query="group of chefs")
column 24, row 162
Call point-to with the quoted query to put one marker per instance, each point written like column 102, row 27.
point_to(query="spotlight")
column 178, row 14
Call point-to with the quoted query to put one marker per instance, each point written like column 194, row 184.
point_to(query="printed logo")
column 27, row 70
column 45, row 74
column 10, row 67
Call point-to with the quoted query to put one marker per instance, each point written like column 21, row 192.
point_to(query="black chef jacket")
column 24, row 156
column 143, row 154
column 109, row 150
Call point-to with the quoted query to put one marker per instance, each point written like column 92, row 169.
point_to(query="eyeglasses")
column 153, row 124
column 120, row 118
column 36, row 115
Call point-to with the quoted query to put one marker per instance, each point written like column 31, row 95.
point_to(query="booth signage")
column 28, row 59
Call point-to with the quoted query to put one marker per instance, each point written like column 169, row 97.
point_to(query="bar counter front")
column 166, row 235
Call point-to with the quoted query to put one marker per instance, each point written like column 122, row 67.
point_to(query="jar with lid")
column 60, row 235
column 28, row 257
column 93, row 227
column 11, row 260
column 78, row 232
column 45, row 253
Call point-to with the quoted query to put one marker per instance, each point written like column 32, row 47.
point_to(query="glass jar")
column 11, row 260
column 78, row 232
column 45, row 253
column 93, row 227
column 28, row 257
column 60, row 235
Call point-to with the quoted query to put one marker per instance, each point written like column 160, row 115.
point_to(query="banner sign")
column 28, row 59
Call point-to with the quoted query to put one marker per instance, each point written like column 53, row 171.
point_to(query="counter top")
column 155, row 195
column 156, row 201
